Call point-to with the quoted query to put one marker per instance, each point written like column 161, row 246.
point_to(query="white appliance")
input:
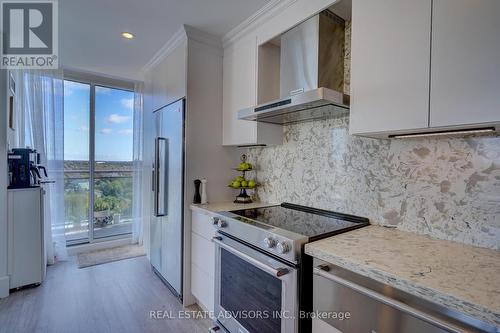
column 166, row 230
column 27, row 261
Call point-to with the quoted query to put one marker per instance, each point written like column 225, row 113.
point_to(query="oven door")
column 254, row 293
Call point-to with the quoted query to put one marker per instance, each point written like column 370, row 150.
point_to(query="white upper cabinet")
column 390, row 65
column 465, row 73
column 421, row 66
column 240, row 91
column 243, row 53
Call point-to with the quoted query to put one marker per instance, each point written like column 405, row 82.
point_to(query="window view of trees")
column 112, row 196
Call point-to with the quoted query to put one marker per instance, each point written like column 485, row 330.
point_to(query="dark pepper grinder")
column 197, row 195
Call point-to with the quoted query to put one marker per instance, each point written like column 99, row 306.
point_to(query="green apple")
column 248, row 166
column 236, row 184
column 244, row 183
column 251, row 183
column 239, row 179
column 242, row 166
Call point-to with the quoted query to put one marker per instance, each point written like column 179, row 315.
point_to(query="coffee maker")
column 24, row 168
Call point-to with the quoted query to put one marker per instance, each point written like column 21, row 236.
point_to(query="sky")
column 113, row 123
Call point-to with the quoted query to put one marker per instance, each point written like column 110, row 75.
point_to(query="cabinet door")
column 26, row 248
column 390, row 65
column 465, row 70
column 239, row 91
column 202, row 260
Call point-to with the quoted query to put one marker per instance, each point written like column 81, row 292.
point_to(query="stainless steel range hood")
column 311, row 78
column 320, row 103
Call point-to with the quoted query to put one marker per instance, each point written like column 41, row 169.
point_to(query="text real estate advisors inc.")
column 247, row 314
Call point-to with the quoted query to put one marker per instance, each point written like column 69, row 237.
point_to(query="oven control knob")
column 283, row 247
column 215, row 220
column 221, row 224
column 269, row 242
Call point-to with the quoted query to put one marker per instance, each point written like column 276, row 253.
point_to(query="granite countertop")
column 228, row 206
column 455, row 275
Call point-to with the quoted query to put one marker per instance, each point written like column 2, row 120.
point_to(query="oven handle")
column 276, row 272
column 322, row 270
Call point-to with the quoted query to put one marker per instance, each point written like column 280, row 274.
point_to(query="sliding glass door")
column 98, row 161
column 76, row 161
column 113, row 162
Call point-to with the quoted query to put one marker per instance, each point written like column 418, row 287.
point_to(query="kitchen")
column 369, row 130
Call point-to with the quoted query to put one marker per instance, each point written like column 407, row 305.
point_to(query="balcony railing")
column 112, row 203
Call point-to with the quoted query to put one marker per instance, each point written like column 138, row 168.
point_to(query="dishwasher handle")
column 322, row 270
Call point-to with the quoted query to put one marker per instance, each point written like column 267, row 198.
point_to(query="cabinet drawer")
column 202, row 225
column 202, row 254
column 202, row 287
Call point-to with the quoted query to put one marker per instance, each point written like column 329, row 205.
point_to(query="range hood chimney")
column 311, row 78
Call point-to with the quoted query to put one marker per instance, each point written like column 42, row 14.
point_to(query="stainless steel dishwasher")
column 349, row 303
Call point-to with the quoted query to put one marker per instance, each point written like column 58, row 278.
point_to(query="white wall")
column 205, row 155
column 4, row 279
column 204, row 124
column 148, row 131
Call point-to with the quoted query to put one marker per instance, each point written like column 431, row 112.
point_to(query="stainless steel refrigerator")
column 168, row 195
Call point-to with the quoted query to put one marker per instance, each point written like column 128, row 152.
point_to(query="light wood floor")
column 114, row 297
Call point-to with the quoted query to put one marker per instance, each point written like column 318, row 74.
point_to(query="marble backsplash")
column 448, row 188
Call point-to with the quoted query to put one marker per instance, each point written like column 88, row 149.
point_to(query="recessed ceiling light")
column 127, row 35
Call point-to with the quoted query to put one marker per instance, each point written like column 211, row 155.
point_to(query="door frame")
column 93, row 81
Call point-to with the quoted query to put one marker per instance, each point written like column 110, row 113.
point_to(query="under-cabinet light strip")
column 441, row 133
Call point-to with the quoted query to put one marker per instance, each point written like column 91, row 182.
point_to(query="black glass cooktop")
column 310, row 222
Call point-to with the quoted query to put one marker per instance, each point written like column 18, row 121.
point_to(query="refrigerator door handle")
column 160, row 197
column 153, row 178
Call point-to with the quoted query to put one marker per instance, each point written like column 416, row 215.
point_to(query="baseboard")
column 73, row 250
column 4, row 286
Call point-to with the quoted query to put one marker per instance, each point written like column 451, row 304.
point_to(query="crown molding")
column 179, row 37
column 265, row 13
column 203, row 37
column 186, row 32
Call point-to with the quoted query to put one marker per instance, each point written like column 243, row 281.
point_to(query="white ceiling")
column 90, row 30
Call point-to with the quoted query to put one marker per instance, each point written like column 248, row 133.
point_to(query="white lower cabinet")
column 202, row 260
column 202, row 288
column 27, row 260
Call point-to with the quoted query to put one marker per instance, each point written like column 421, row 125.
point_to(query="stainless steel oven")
column 262, row 277
column 254, row 292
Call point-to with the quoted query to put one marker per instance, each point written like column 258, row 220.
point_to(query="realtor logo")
column 29, row 35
